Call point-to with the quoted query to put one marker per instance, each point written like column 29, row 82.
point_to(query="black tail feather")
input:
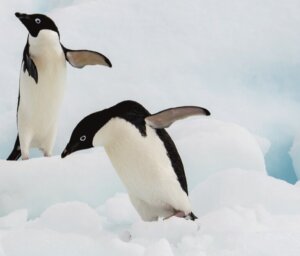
column 16, row 152
column 192, row 216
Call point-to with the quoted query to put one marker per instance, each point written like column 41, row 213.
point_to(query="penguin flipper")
column 165, row 118
column 29, row 65
column 16, row 152
column 81, row 58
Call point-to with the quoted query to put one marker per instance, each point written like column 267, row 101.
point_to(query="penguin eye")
column 37, row 21
column 83, row 138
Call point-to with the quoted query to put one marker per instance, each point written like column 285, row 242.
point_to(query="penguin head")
column 84, row 133
column 90, row 131
column 36, row 22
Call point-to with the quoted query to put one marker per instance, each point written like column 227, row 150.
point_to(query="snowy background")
column 239, row 59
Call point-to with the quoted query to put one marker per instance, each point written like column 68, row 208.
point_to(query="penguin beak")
column 65, row 153
column 69, row 150
column 22, row 16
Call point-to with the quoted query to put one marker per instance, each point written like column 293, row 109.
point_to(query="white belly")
column 143, row 165
column 40, row 103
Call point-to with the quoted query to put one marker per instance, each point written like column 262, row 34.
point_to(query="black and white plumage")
column 143, row 154
column 43, row 83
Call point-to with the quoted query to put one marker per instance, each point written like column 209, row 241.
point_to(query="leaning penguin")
column 143, row 154
column 43, row 82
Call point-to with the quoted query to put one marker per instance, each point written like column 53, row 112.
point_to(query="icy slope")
column 263, row 224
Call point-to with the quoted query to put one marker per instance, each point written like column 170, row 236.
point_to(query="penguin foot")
column 180, row 214
column 25, row 154
column 46, row 153
column 177, row 214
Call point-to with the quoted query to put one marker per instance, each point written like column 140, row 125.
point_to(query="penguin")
column 143, row 155
column 42, row 84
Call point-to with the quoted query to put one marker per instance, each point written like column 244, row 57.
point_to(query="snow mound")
column 38, row 183
column 127, row 215
column 14, row 219
column 247, row 189
column 208, row 146
column 71, row 217
column 249, row 223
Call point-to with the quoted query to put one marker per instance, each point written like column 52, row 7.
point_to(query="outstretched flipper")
column 16, row 152
column 81, row 58
column 165, row 118
column 29, row 65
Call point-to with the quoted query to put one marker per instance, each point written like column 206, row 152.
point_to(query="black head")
column 36, row 22
column 83, row 135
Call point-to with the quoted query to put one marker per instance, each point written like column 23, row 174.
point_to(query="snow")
column 38, row 183
column 208, row 146
column 71, row 217
column 233, row 187
column 250, row 223
column 239, row 59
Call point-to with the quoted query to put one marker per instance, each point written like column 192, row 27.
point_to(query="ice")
column 250, row 214
column 295, row 154
column 278, row 159
column 264, row 144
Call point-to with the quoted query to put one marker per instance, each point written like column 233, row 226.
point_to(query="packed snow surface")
column 240, row 213
column 239, row 59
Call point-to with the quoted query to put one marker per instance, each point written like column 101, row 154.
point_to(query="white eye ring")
column 83, row 138
column 37, row 21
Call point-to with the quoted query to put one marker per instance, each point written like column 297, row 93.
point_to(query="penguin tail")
column 191, row 216
column 16, row 152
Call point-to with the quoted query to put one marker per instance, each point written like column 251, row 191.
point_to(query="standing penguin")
column 43, row 83
column 143, row 154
